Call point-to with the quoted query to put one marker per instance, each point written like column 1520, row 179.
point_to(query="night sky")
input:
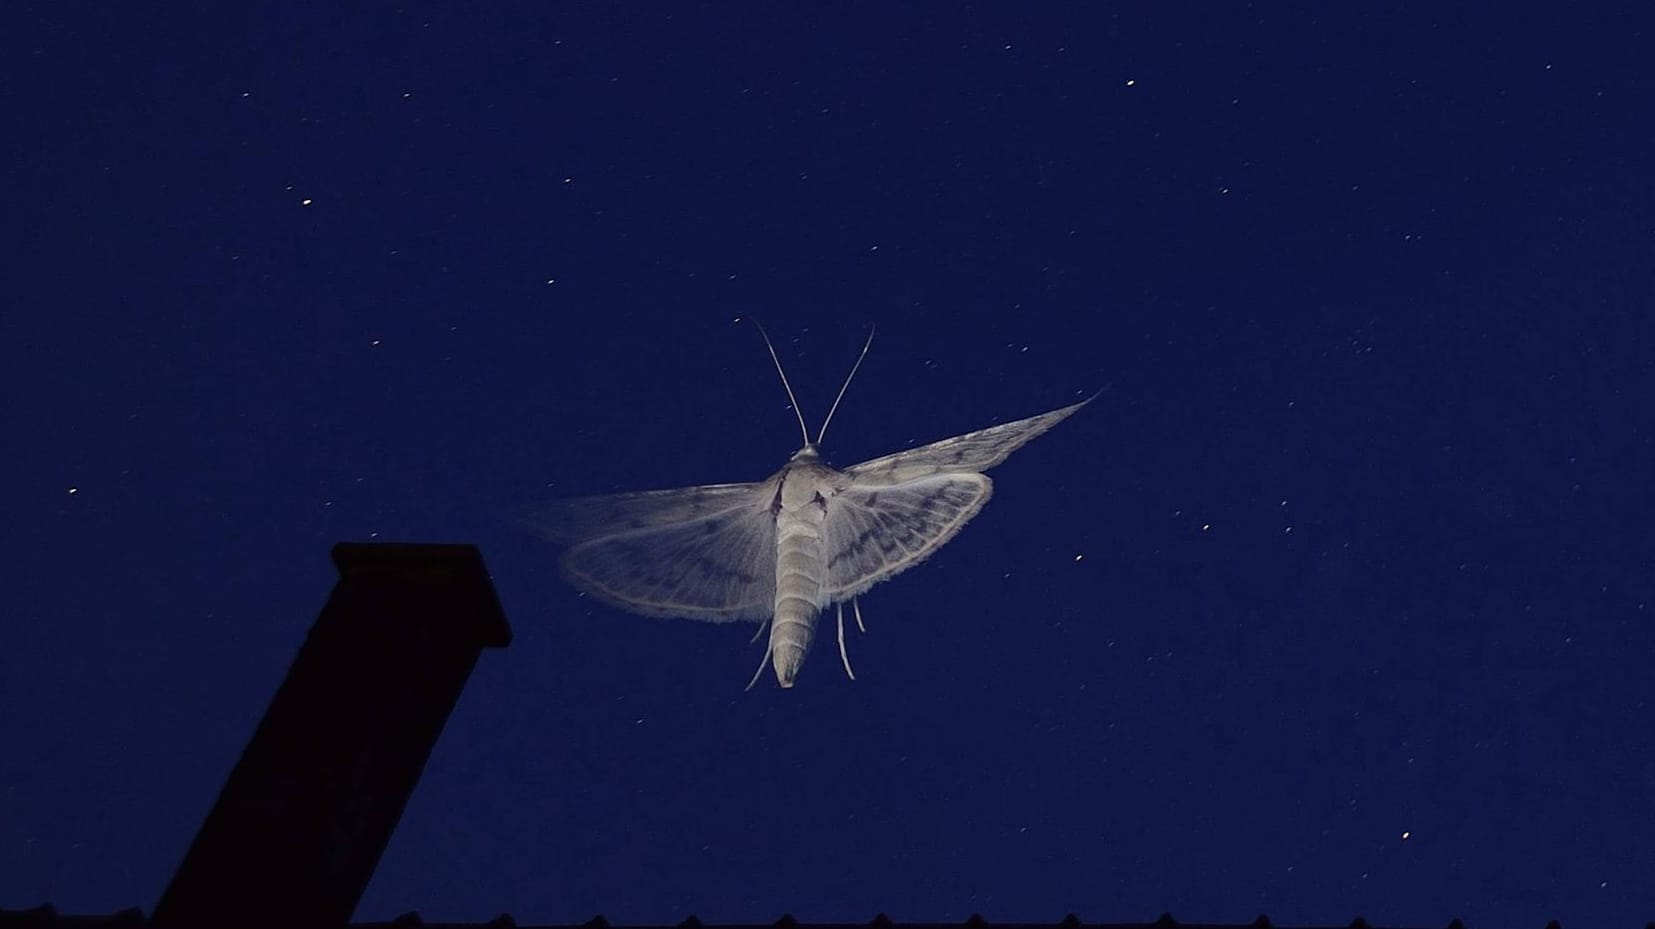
column 1339, row 600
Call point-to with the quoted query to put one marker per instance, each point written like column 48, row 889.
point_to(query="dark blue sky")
column 1338, row 600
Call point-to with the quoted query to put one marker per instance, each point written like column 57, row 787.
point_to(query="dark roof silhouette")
column 45, row 916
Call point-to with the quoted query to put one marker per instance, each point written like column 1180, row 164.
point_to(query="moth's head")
column 809, row 453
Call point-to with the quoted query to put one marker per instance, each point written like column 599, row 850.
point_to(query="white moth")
column 783, row 549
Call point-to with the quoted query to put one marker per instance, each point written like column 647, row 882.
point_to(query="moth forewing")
column 972, row 452
column 696, row 552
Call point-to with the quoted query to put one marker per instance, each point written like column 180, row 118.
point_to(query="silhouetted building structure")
column 309, row 808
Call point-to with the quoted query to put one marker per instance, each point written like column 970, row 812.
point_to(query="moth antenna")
column 803, row 429
column 846, row 386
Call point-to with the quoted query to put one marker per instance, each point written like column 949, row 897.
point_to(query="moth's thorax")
column 806, row 483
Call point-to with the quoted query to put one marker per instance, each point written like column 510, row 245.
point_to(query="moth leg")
column 856, row 606
column 763, row 663
column 842, row 656
column 763, row 625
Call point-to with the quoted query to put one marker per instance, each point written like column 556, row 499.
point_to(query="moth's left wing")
column 575, row 519
column 705, row 553
column 974, row 451
column 874, row 531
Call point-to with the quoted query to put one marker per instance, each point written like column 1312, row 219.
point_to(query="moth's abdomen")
column 800, row 570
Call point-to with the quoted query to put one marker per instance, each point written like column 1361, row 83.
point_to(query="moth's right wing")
column 974, row 451
column 705, row 553
column 874, row 532
column 891, row 513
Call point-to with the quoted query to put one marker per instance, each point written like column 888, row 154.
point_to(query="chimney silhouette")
column 299, row 826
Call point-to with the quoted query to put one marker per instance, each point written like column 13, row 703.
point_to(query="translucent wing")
column 891, row 513
column 704, row 553
column 576, row 519
column 876, row 531
column 974, row 451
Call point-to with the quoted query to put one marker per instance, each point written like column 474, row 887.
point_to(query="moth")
column 781, row 550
